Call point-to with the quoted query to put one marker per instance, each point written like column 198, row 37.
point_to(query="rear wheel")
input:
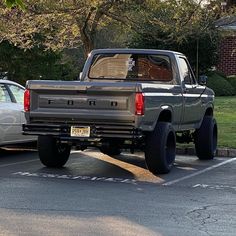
column 160, row 148
column 206, row 139
column 51, row 152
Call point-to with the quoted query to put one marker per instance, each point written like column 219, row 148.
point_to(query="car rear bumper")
column 96, row 131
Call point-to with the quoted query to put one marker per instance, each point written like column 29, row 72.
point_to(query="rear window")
column 131, row 67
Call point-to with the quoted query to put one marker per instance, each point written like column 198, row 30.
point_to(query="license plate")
column 80, row 131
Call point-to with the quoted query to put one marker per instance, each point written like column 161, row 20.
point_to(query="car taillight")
column 27, row 100
column 139, row 104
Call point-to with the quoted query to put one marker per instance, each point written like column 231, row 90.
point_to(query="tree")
column 34, row 63
column 60, row 24
column 13, row 3
column 186, row 26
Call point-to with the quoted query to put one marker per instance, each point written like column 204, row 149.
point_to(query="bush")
column 220, row 84
column 232, row 81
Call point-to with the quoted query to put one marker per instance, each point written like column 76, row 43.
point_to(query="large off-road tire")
column 51, row 152
column 112, row 149
column 206, row 139
column 160, row 148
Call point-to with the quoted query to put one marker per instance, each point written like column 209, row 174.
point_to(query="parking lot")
column 99, row 195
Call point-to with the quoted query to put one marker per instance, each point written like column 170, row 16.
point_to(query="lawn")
column 225, row 114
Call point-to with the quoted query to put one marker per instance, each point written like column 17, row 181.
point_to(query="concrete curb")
column 221, row 152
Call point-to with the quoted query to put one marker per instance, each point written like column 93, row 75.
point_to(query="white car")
column 12, row 114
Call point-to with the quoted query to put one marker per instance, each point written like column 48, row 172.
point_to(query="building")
column 227, row 47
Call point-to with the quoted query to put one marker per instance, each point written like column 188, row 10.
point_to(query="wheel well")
column 209, row 112
column 165, row 116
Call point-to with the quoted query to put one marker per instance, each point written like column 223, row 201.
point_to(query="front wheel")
column 51, row 152
column 206, row 139
column 160, row 148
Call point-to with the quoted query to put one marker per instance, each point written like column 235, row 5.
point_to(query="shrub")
column 220, row 84
column 232, row 81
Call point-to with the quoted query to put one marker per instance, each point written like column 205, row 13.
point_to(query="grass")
column 225, row 114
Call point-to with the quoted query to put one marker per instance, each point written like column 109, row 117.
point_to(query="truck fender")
column 165, row 115
column 208, row 112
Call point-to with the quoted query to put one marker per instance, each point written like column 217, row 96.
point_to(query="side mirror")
column 202, row 80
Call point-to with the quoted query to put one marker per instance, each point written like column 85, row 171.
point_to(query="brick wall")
column 227, row 56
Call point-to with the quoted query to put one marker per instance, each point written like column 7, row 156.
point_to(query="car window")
column 17, row 92
column 186, row 72
column 4, row 95
column 155, row 67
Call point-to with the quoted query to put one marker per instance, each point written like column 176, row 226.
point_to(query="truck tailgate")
column 68, row 101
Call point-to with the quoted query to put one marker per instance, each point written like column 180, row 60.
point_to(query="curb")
column 220, row 152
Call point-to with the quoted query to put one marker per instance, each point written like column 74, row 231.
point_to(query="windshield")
column 131, row 66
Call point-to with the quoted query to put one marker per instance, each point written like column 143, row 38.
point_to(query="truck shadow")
column 85, row 164
column 92, row 164
column 95, row 163
column 16, row 154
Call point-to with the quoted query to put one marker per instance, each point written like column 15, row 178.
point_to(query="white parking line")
column 215, row 187
column 198, row 172
column 16, row 163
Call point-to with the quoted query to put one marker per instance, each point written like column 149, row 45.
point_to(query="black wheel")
column 112, row 149
column 160, row 148
column 206, row 139
column 51, row 152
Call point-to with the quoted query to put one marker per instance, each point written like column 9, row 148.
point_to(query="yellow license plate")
column 80, row 131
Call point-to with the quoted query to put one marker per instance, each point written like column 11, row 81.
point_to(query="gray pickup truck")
column 125, row 99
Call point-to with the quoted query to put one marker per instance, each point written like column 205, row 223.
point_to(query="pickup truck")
column 135, row 99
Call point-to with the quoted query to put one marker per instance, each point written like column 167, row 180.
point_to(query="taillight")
column 139, row 104
column 27, row 100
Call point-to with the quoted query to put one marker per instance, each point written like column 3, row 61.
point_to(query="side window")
column 4, row 95
column 186, row 72
column 17, row 92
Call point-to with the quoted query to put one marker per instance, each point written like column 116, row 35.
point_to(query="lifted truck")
column 125, row 99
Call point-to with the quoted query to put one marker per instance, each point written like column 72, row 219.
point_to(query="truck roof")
column 134, row 50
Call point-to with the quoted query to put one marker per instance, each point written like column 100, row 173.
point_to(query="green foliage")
column 219, row 84
column 207, row 48
column 72, row 24
column 13, row 3
column 34, row 64
column 183, row 26
column 232, row 81
column 61, row 24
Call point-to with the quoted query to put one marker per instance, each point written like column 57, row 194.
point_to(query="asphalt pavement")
column 95, row 194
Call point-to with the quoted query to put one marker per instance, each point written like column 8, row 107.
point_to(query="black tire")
column 112, row 149
column 160, row 148
column 206, row 139
column 52, row 153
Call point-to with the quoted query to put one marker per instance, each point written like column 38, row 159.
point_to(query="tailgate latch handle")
column 92, row 103
column 70, row 102
column 114, row 104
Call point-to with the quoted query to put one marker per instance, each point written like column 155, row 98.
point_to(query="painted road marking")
column 77, row 177
column 215, row 187
column 198, row 172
